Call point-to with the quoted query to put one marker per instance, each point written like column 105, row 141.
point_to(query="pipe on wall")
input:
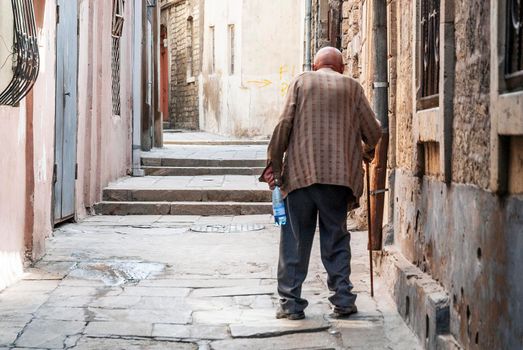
column 308, row 32
column 137, row 89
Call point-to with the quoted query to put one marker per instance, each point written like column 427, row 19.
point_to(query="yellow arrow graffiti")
column 260, row 83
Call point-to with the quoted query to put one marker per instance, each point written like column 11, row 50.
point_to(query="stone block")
column 129, row 329
column 49, row 334
column 421, row 301
column 205, row 332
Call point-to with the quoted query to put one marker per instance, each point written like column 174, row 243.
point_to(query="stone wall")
column 459, row 234
column 183, row 101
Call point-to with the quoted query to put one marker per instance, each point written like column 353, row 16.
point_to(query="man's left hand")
column 268, row 176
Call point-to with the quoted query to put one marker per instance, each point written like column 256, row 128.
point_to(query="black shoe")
column 290, row 316
column 344, row 312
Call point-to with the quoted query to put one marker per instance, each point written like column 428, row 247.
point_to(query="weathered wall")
column 183, row 101
column 43, row 127
column 268, row 55
column 104, row 139
column 461, row 234
column 27, row 134
column 13, row 194
column 471, row 149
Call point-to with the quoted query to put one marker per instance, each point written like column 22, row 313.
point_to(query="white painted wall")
column 269, row 53
column 6, row 43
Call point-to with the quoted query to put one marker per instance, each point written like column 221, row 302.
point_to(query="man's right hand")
column 268, row 176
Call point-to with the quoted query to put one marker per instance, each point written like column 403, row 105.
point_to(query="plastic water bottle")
column 278, row 207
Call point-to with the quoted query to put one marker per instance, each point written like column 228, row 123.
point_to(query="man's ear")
column 314, row 67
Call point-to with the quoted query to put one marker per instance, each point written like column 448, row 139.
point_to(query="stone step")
column 185, row 195
column 217, row 142
column 182, row 208
column 200, row 163
column 198, row 171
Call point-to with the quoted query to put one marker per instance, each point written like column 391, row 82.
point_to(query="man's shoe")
column 343, row 312
column 290, row 316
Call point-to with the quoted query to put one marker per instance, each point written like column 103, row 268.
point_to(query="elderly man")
column 325, row 130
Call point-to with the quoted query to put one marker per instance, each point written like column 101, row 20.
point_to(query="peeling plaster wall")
column 269, row 54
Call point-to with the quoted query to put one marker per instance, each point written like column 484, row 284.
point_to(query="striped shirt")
column 325, row 123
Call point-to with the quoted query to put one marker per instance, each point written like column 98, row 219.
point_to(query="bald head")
column 329, row 57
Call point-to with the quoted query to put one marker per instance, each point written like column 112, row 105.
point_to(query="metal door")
column 66, row 109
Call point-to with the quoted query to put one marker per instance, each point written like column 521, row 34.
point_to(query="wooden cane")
column 369, row 227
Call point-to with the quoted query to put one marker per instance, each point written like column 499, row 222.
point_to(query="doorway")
column 65, row 167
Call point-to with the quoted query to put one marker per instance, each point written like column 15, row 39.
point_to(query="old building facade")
column 455, row 206
column 226, row 75
column 181, row 21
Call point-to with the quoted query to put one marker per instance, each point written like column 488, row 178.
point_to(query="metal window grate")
column 116, row 33
column 514, row 44
column 190, row 44
column 231, row 49
column 429, row 52
column 25, row 54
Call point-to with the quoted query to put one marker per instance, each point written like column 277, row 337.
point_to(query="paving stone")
column 131, row 329
column 93, row 343
column 156, row 291
column 263, row 327
column 232, row 291
column 49, row 334
column 170, row 315
column 9, row 331
column 62, row 313
column 208, row 332
column 304, row 341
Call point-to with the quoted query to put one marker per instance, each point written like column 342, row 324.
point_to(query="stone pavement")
column 149, row 282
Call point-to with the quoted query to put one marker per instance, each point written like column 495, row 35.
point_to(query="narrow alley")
column 160, row 281
column 149, row 147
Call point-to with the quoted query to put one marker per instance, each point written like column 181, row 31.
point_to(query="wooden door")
column 66, row 110
column 164, row 74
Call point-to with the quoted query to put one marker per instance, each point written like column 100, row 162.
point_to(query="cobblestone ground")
column 149, row 282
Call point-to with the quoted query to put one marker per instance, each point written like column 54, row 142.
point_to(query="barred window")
column 429, row 54
column 116, row 33
column 231, row 49
column 514, row 45
column 213, row 49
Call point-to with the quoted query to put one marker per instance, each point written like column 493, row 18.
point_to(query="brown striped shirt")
column 325, row 122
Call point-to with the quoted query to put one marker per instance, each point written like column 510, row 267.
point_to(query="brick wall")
column 183, row 94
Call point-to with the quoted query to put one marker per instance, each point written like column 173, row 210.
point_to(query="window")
column 190, row 46
column 213, row 49
column 514, row 45
column 116, row 33
column 428, row 56
column 231, row 49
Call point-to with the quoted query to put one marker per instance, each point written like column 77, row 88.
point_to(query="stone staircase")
column 193, row 180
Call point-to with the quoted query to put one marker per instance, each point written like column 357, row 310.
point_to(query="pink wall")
column 12, row 194
column 104, row 140
column 27, row 135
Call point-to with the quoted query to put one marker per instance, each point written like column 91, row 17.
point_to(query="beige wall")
column 269, row 54
column 27, row 135
column 104, row 140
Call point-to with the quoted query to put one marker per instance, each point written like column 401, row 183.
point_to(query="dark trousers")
column 303, row 207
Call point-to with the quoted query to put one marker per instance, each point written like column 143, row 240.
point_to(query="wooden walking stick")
column 367, row 176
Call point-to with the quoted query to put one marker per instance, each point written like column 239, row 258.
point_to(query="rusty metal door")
column 65, row 168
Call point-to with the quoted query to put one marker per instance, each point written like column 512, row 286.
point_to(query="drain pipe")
column 137, row 89
column 381, row 108
column 308, row 32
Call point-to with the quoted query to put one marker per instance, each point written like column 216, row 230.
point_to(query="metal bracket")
column 375, row 193
column 380, row 84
